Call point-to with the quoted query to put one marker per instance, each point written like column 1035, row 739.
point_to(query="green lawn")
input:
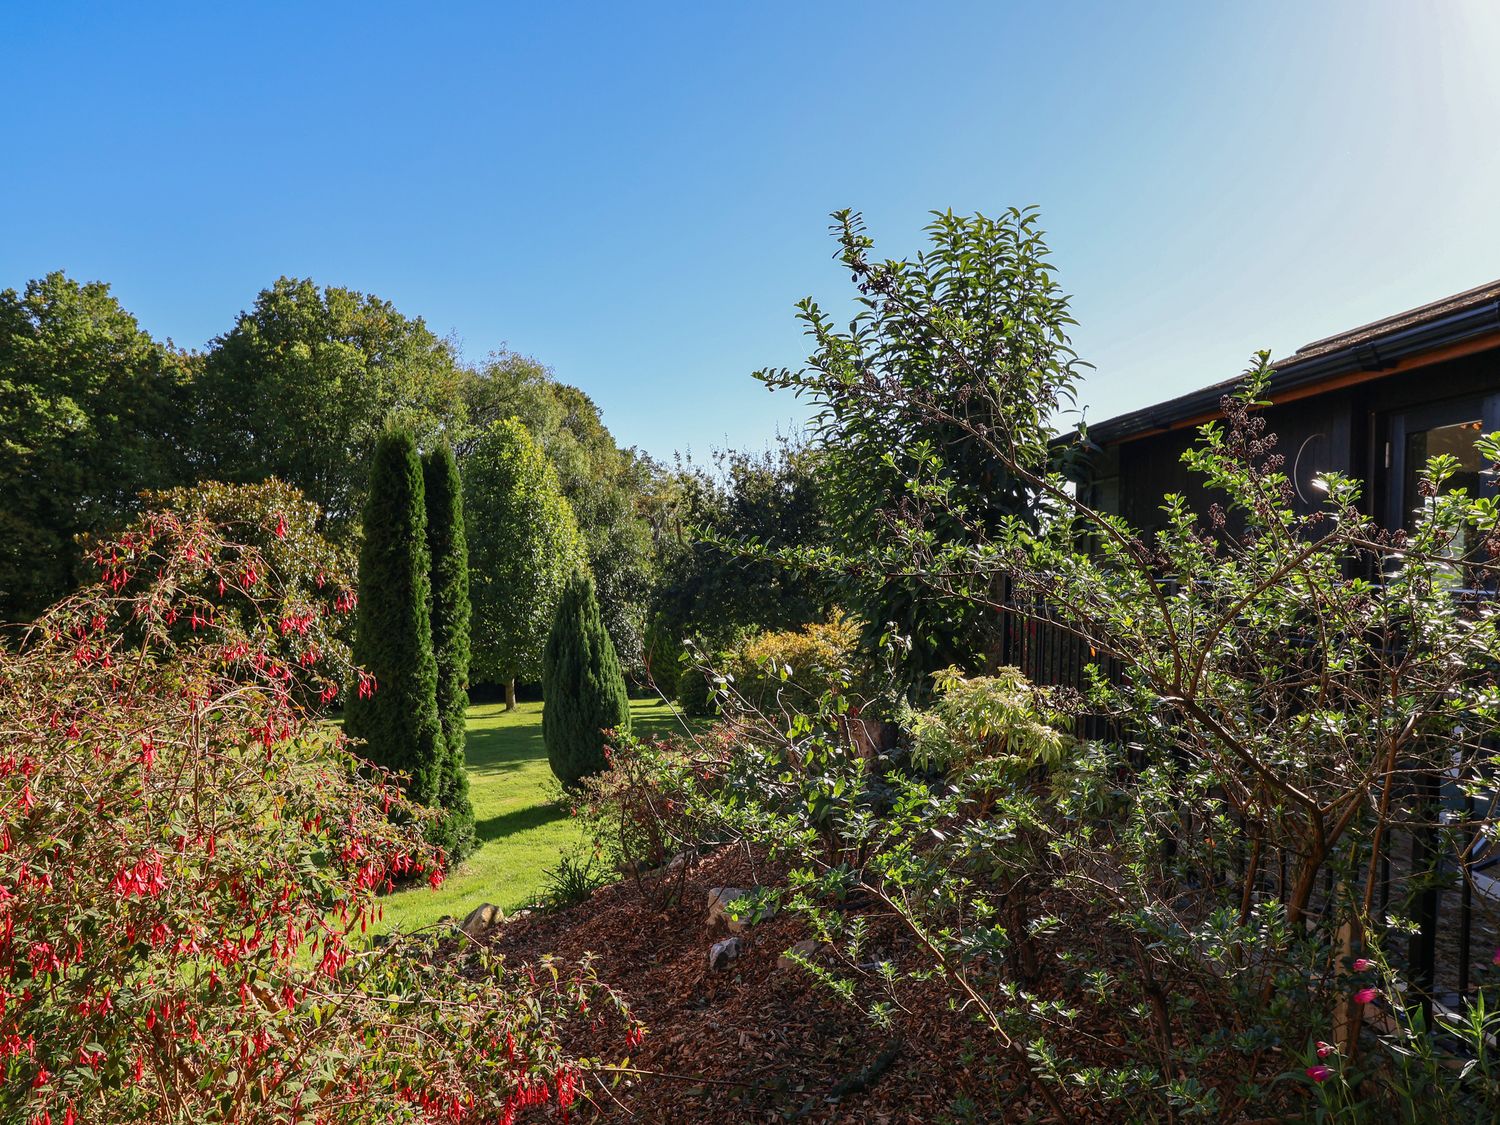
column 521, row 829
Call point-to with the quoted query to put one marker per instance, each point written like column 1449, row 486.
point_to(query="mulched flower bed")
column 754, row 1042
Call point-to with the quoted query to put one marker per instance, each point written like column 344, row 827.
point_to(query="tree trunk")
column 510, row 694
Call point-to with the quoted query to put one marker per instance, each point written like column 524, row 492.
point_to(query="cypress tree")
column 449, row 551
column 393, row 625
column 582, row 685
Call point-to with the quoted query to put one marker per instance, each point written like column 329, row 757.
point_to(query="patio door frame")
column 1429, row 415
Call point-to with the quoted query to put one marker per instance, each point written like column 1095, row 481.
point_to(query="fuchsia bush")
column 189, row 857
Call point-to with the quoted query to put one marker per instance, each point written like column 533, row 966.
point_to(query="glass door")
column 1452, row 428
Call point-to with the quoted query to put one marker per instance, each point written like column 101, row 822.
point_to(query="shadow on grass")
column 504, row 749
column 518, row 820
column 653, row 720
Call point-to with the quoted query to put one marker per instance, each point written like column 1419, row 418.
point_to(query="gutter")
column 1371, row 355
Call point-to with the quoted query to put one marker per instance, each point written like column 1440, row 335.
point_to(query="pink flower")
column 1324, row 1049
column 1366, row 995
column 1496, row 958
column 1318, row 1073
column 1364, row 964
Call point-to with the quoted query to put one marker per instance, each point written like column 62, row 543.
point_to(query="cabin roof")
column 1370, row 350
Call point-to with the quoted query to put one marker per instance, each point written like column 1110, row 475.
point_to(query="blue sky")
column 638, row 193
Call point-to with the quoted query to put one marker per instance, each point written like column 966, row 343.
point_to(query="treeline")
column 94, row 410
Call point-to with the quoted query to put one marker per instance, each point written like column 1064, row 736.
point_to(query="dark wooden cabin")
column 1373, row 402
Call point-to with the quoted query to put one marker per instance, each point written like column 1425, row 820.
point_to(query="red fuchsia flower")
column 436, row 879
column 1318, row 1073
column 280, row 527
column 1363, row 965
column 1366, row 995
column 1324, row 1049
column 1496, row 958
column 43, row 959
column 146, row 878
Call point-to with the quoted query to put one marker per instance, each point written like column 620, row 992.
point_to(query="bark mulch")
column 753, row 1042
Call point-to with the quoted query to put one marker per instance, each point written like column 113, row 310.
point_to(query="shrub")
column 1001, row 721
column 637, row 811
column 791, row 670
column 582, row 684
column 696, row 693
column 191, row 856
column 1307, row 709
column 270, row 539
column 449, row 553
column 395, row 716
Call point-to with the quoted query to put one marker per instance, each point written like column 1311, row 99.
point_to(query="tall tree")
column 523, row 545
column 773, row 499
column 904, row 396
column 304, row 384
column 398, row 720
column 92, row 410
column 582, row 686
column 602, row 482
column 449, row 552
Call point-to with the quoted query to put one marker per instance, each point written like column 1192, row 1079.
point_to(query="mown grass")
column 522, row 828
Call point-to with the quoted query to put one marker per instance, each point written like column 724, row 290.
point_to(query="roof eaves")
column 1373, row 347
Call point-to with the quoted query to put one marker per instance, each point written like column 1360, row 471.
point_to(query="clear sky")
column 636, row 193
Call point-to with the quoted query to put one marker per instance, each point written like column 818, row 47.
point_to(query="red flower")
column 1318, row 1073
column 1366, row 995
column 1363, row 965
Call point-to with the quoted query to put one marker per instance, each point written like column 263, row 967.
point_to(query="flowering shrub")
column 275, row 584
column 190, row 858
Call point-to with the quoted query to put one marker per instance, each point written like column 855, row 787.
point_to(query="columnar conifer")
column 582, row 684
column 449, row 552
column 398, row 721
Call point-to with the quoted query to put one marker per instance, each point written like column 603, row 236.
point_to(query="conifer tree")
column 582, row 685
column 398, row 720
column 449, row 553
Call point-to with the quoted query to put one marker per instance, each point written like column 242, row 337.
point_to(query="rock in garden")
column 805, row 949
column 719, row 898
column 724, row 952
column 481, row 919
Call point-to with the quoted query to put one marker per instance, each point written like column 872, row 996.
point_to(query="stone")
column 481, row 920
column 723, row 952
column 807, row 949
column 718, row 899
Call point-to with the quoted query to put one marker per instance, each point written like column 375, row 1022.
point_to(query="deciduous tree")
column 92, row 410
column 523, row 545
column 306, row 381
column 603, row 483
